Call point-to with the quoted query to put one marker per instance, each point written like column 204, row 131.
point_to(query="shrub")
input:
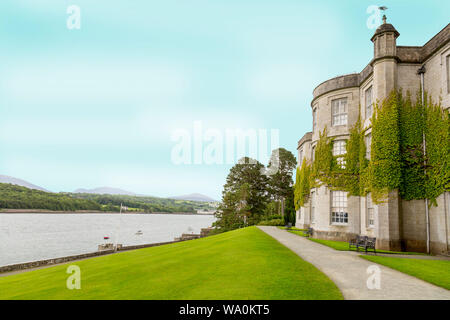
column 273, row 222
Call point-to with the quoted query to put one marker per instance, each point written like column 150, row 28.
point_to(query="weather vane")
column 383, row 8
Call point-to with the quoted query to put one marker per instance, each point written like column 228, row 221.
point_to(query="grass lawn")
column 343, row 246
column 241, row 264
column 434, row 271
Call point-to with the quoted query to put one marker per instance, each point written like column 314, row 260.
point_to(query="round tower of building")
column 385, row 58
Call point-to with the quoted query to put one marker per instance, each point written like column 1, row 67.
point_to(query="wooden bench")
column 357, row 243
column 370, row 244
column 365, row 242
column 309, row 232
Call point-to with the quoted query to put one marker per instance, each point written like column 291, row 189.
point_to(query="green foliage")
column 411, row 148
column 324, row 162
column 437, row 134
column 385, row 165
column 142, row 203
column 17, row 197
column 289, row 210
column 355, row 160
column 272, row 222
column 282, row 163
column 253, row 193
column 245, row 196
column 302, row 185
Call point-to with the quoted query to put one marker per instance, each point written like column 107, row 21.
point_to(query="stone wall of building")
column 399, row 224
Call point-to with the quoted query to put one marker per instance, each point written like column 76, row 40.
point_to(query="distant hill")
column 194, row 197
column 19, row 182
column 106, row 190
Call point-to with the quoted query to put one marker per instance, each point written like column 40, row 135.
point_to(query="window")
column 313, row 206
column 370, row 211
column 339, row 214
column 338, row 150
column 314, row 118
column 300, row 157
column 368, row 96
column 368, row 139
column 339, row 112
column 313, row 153
column 448, row 74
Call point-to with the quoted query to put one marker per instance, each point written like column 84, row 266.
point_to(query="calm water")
column 30, row 237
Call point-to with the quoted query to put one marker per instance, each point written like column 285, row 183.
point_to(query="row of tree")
column 17, row 197
column 254, row 193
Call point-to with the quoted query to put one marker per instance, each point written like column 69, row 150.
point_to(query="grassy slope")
column 241, row 264
column 433, row 271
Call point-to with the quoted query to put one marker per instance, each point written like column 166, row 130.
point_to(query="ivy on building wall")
column 385, row 163
column 411, row 123
column 302, row 185
column 397, row 160
column 437, row 133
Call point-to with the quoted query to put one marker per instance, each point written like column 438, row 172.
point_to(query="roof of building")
column 405, row 54
column 383, row 28
column 306, row 137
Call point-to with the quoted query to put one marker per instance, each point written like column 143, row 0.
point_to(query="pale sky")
column 97, row 106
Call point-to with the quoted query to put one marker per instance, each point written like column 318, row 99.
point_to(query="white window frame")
column 313, row 206
column 314, row 119
column 339, row 112
column 448, row 74
column 368, row 95
column 370, row 210
column 339, row 149
column 339, row 213
column 368, row 142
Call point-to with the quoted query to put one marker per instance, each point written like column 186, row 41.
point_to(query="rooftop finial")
column 383, row 8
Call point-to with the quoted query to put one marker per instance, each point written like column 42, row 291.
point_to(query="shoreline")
column 41, row 211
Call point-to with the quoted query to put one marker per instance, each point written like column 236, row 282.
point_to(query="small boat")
column 105, row 238
column 139, row 233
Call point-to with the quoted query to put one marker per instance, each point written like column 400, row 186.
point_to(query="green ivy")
column 302, row 185
column 437, row 133
column 385, row 163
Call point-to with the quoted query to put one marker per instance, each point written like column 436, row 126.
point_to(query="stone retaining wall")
column 48, row 262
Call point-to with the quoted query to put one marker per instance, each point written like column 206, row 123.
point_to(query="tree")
column 245, row 195
column 290, row 214
column 281, row 165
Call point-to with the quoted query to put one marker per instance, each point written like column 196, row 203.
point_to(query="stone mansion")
column 337, row 103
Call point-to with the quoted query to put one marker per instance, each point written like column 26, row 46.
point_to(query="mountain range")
column 20, row 182
column 103, row 190
column 106, row 190
column 194, row 197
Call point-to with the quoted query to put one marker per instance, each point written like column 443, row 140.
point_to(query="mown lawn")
column 241, row 264
column 434, row 271
column 343, row 246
